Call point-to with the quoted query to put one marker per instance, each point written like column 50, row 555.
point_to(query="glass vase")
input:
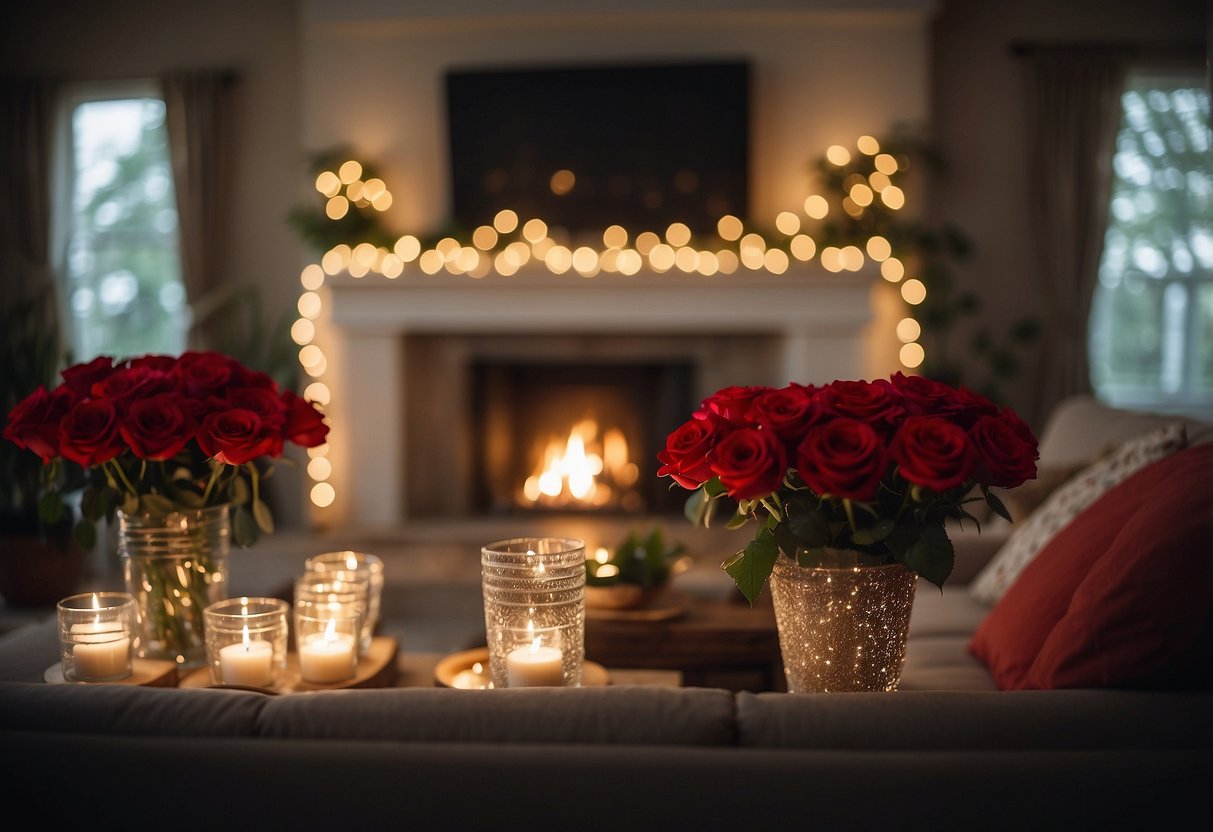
column 174, row 566
column 842, row 628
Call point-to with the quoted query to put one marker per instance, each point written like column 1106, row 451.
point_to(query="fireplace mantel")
column 823, row 323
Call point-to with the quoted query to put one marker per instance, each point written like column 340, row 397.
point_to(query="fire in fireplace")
column 575, row 437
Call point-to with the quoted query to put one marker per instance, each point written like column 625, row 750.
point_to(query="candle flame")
column 330, row 630
column 536, row 644
column 477, row 668
column 245, row 636
column 602, row 555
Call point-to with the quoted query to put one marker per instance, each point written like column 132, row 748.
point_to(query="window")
column 123, row 268
column 1151, row 342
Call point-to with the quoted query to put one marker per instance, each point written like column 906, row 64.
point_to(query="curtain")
column 27, row 124
column 1073, row 112
column 200, row 118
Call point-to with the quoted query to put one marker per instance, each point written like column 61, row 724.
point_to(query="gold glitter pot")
column 842, row 629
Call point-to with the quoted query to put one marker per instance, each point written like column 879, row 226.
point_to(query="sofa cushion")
column 1142, row 615
column 1010, row 638
column 972, row 720
column 614, row 714
column 1028, row 538
column 943, row 663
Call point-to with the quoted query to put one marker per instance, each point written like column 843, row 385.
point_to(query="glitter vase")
column 842, row 628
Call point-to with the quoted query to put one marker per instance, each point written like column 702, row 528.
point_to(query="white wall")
column 823, row 73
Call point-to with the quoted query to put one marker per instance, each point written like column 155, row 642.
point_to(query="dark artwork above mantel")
column 647, row 145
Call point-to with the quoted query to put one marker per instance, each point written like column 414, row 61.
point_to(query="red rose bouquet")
column 159, row 433
column 875, row 468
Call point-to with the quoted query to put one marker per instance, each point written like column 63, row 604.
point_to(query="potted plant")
column 40, row 562
column 634, row 572
column 849, row 487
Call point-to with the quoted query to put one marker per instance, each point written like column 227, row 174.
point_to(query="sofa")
column 950, row 749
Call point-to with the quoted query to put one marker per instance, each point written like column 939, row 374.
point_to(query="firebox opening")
column 575, row 437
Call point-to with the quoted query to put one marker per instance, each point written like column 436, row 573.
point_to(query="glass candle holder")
column 327, row 645
column 364, row 564
column 246, row 641
column 96, row 630
column 336, row 593
column 534, row 610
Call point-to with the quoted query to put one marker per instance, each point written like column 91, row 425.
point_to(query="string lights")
column 511, row 243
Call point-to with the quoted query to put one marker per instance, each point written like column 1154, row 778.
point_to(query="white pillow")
column 1032, row 534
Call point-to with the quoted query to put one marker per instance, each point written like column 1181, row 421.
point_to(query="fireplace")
column 413, row 361
column 574, row 436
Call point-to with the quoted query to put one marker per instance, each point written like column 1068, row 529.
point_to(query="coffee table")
column 713, row 643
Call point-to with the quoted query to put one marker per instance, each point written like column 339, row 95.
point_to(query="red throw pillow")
column 1011, row 637
column 1141, row 617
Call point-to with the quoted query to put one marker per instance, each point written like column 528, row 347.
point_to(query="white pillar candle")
column 325, row 657
column 101, row 652
column 249, row 663
column 98, row 660
column 535, row 665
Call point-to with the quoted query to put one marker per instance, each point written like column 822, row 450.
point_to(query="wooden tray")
column 377, row 669
column 151, row 673
column 592, row 673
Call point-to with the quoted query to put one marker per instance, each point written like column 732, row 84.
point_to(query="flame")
column 575, row 470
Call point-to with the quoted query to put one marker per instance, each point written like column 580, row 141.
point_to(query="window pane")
column 123, row 269
column 1150, row 333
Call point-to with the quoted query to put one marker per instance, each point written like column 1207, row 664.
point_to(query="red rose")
column 923, row 396
column 268, row 405
column 971, row 406
column 163, row 363
column 304, row 422
column 129, row 382
column 81, row 377
column 750, row 463
column 842, row 458
column 933, row 452
column 235, row 436
column 732, row 403
column 688, row 448
column 875, row 402
column 89, row 432
column 204, row 373
column 1006, row 450
column 786, row 411
column 158, row 427
column 34, row 423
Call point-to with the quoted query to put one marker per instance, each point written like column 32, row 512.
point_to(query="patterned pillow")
column 1031, row 535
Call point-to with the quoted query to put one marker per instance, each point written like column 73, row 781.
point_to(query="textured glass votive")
column 336, row 594
column 96, row 630
column 361, row 563
column 246, row 641
column 534, row 611
column 327, row 644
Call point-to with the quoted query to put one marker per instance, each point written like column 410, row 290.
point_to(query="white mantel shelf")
column 819, row 320
column 670, row 302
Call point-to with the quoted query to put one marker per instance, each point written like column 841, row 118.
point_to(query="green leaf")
column 808, row 523
column 737, row 520
column 788, row 543
column 192, row 499
column 156, row 504
column 244, row 527
column 932, row 555
column 92, row 504
column 696, row 508
column 85, row 534
column 996, row 504
column 875, row 533
column 50, row 508
column 265, row 520
column 751, row 567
